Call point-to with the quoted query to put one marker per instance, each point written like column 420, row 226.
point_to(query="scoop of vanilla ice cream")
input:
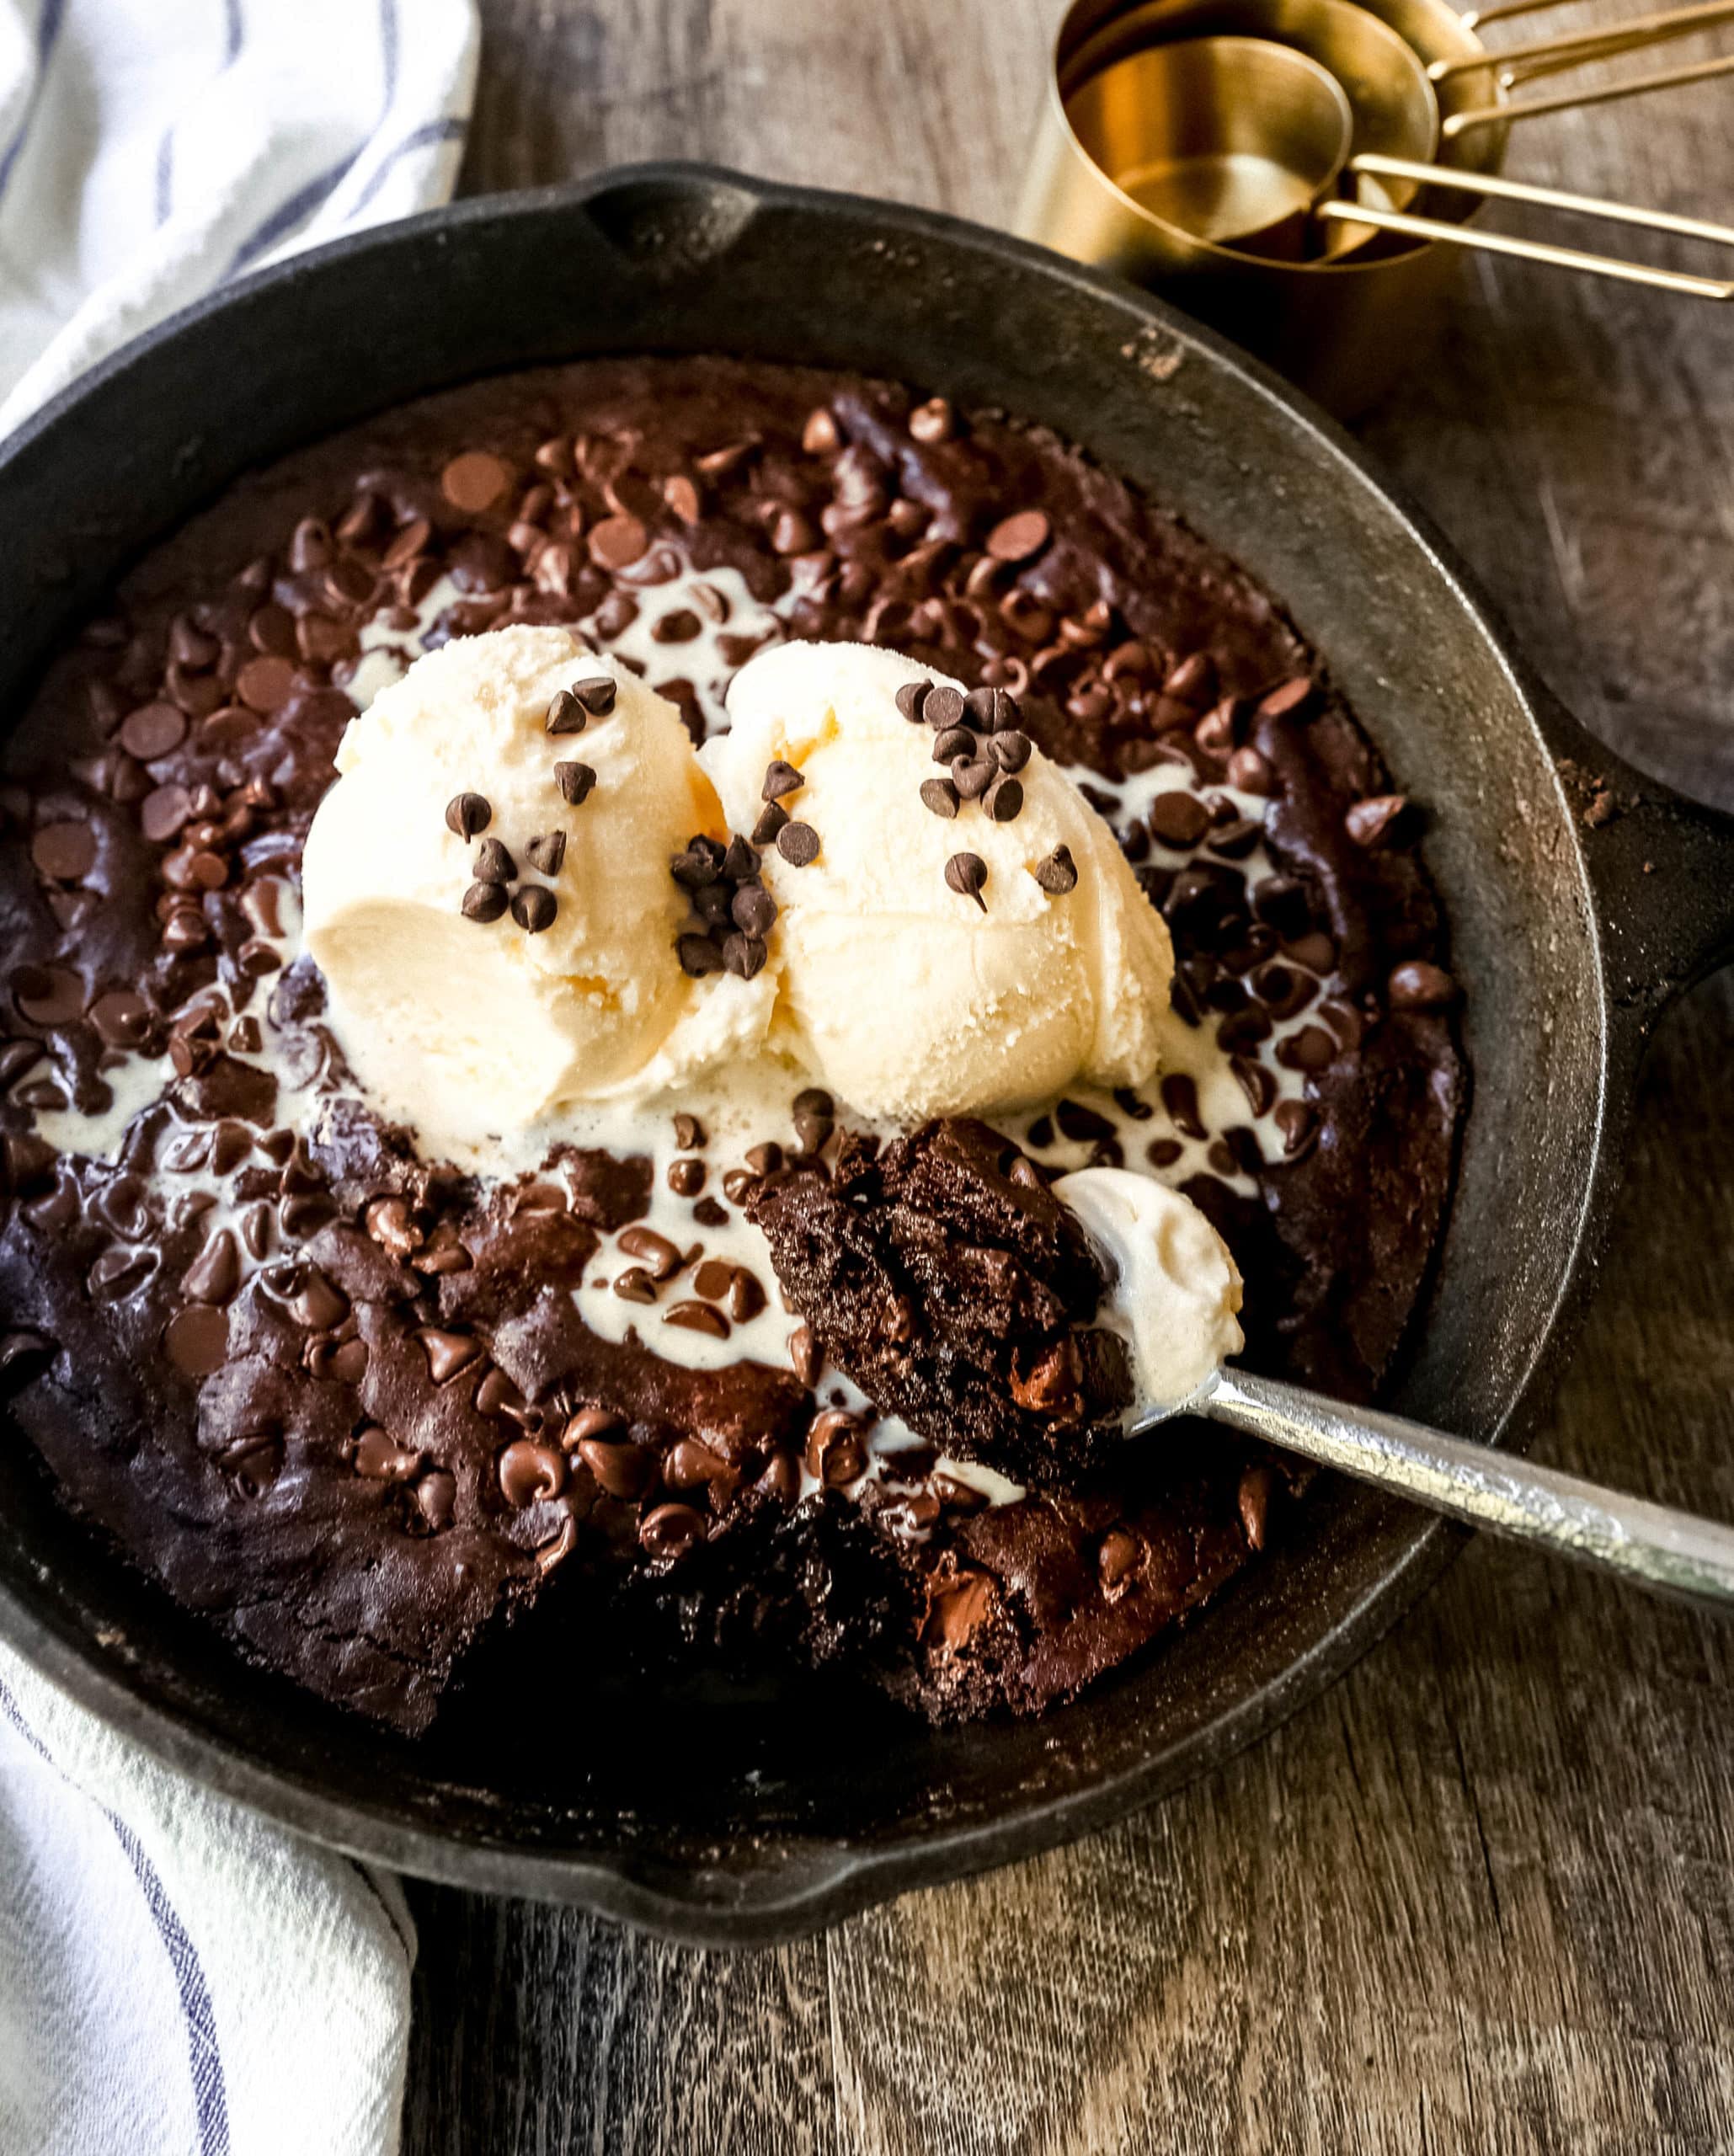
column 465, row 1028
column 1175, row 1296
column 900, row 992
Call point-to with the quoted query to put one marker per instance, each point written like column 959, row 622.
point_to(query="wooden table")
column 1481, row 1895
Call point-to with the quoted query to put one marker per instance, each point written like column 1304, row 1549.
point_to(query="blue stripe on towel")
column 48, row 27
column 233, row 38
column 211, row 2102
column 301, row 205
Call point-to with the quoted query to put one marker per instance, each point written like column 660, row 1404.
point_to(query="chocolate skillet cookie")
column 340, row 1399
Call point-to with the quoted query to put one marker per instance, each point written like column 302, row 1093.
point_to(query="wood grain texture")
column 1481, row 1895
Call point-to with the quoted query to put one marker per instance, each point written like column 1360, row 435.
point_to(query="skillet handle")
column 1662, row 871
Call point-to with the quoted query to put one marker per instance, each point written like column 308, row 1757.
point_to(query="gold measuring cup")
column 1342, row 324
column 1292, row 146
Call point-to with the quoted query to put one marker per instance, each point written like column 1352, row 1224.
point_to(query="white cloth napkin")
column 176, row 1976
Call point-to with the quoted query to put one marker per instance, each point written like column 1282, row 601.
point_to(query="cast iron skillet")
column 733, row 1818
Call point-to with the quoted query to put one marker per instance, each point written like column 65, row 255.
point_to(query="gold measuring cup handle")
column 1530, row 250
column 1585, row 45
column 1460, row 124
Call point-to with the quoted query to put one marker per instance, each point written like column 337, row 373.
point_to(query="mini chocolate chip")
column 699, row 955
column 1004, row 799
column 941, row 796
column 566, row 714
column 781, row 778
column 971, row 776
column 494, row 864
column 709, row 1214
column 534, row 908
column 743, row 955
column 909, row 698
column 954, row 741
column 797, row 844
column 754, row 910
column 484, row 902
column 1059, row 873
column 942, row 706
column 1289, row 699
column 1178, row 819
column 468, row 814
column 697, row 1317
column 771, row 819
column 1416, row 985
column 596, row 693
column 635, row 1285
column 1250, row 772
column 546, row 852
column 687, row 1178
column 739, row 862
column 574, row 781
column 1010, row 749
column 966, row 873
column 530, row 1473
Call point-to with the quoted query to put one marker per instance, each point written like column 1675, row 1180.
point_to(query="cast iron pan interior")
column 740, row 1817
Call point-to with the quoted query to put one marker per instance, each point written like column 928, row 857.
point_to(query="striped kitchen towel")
column 151, row 148
column 175, row 1975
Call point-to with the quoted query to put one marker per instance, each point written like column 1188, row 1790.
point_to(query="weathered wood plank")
column 1482, row 1895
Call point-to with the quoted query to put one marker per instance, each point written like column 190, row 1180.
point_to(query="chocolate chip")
column 1299, row 1123
column 484, row 902
column 474, row 481
column 152, row 731
column 1418, row 985
column 771, row 819
column 753, row 911
column 566, row 715
column 967, row 874
column 739, row 862
column 1009, row 749
column 797, row 844
column 546, row 852
column 941, row 796
column 530, row 1473
column 65, row 852
column 215, row 1275
column 616, row 542
column 743, row 955
column 1250, row 772
column 1004, row 800
column 1289, row 699
column 933, row 422
column 781, row 778
column 1178, row 819
column 1017, row 537
column 687, row 1178
column 1192, row 680
column 943, row 706
column 971, row 776
column 196, row 1340
column 821, row 435
column 699, row 955
column 910, row 699
column 597, row 693
column 635, row 1285
column 48, row 995
column 574, row 781
column 163, row 812
column 952, row 742
column 1059, row 873
column 622, row 1470
column 709, row 1214
column 668, row 1533
column 1180, row 1096
column 764, row 1160
column 467, row 815
column 534, row 909
column 494, row 864
column 689, row 1132
column 266, row 684
column 1378, row 820
column 697, row 1317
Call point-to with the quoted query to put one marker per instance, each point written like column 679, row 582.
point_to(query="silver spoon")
column 1668, row 1552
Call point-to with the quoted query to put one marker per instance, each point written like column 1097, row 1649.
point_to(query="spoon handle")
column 1669, row 1552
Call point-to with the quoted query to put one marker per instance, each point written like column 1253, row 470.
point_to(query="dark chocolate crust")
column 399, row 1430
